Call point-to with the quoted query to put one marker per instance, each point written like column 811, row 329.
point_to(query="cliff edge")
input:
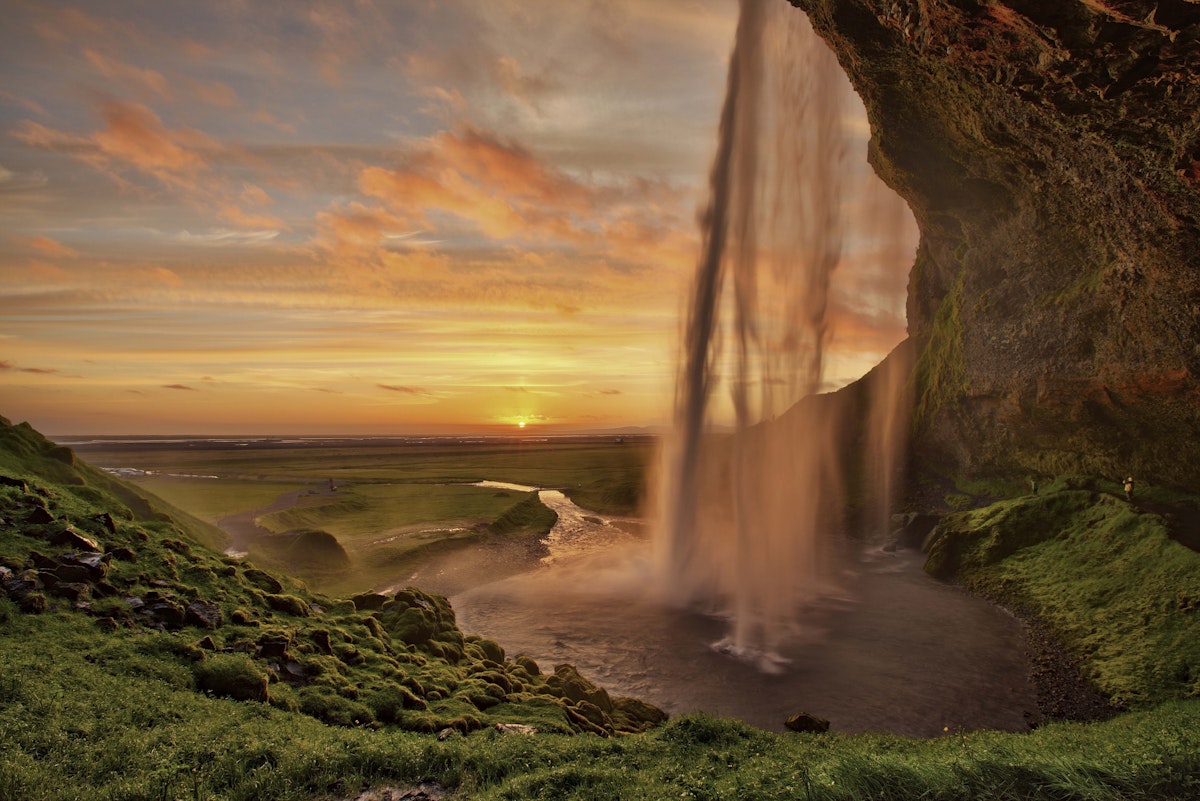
column 1051, row 155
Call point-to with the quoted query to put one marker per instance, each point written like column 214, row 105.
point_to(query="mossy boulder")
column 232, row 676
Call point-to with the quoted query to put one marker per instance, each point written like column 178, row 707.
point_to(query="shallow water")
column 887, row 649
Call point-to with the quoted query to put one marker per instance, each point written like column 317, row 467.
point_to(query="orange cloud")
column 215, row 93
column 135, row 140
column 118, row 71
column 507, row 193
column 46, row 247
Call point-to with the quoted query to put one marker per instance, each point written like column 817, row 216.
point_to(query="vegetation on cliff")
column 1050, row 153
column 1106, row 577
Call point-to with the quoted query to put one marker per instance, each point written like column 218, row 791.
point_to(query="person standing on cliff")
column 1129, row 488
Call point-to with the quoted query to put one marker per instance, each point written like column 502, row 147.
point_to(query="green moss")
column 940, row 369
column 527, row 516
column 1108, row 580
column 232, row 676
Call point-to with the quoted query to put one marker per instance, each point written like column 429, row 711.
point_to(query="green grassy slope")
column 225, row 682
column 1105, row 576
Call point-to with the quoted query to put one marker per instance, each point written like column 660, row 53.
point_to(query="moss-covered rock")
column 233, row 676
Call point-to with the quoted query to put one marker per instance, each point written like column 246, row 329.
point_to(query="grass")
column 68, row 729
column 1105, row 576
column 601, row 474
column 210, row 499
column 360, row 514
column 128, row 711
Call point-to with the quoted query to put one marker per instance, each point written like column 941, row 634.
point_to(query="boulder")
column 804, row 722
column 8, row 481
column 273, row 646
column 369, row 601
column 515, row 728
column 70, row 538
column 320, row 638
column 81, row 567
column 264, row 581
column 75, row 592
column 169, row 614
column 233, row 676
column 39, row 515
column 107, row 521
column 203, row 614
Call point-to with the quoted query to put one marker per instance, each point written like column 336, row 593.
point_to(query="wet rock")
column 295, row 672
column 70, row 538
column 913, row 528
column 123, row 554
column 203, row 614
column 804, row 722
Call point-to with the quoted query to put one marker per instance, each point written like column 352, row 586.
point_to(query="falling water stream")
column 750, row 557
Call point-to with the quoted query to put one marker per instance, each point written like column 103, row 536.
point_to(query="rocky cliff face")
column 1051, row 155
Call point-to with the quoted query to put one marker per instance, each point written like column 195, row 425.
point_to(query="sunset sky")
column 366, row 216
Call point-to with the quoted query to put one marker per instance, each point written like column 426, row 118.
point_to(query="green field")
column 395, row 504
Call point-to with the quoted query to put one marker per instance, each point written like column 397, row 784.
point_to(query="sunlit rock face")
column 1051, row 154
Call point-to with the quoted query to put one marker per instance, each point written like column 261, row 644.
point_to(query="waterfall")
column 746, row 514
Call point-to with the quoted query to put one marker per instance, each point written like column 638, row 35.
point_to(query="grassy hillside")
column 137, row 663
column 1105, row 575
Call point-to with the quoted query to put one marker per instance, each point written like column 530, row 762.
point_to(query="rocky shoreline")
column 1063, row 694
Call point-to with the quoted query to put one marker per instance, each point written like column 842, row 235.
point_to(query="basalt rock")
column 1050, row 153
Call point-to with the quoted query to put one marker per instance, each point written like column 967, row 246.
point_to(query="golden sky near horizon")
column 364, row 216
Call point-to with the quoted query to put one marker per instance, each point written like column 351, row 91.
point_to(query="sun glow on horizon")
column 433, row 241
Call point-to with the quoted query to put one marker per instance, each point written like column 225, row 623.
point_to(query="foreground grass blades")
column 72, row 723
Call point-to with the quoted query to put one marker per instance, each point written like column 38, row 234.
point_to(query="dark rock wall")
column 1051, row 154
